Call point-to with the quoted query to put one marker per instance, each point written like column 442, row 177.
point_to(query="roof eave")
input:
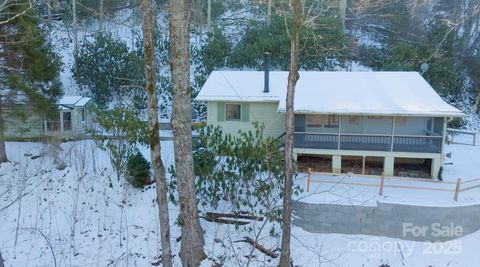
column 411, row 114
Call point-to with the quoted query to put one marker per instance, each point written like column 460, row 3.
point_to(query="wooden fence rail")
column 451, row 133
column 456, row 187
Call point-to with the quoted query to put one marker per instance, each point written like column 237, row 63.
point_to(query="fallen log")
column 261, row 248
column 233, row 215
column 216, row 219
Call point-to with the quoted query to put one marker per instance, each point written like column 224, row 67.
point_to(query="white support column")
column 393, row 133
column 436, row 164
column 444, row 136
column 336, row 164
column 45, row 124
column 61, row 121
column 388, row 164
column 363, row 164
column 339, row 130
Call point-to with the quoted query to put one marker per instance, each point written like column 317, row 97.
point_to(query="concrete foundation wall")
column 418, row 223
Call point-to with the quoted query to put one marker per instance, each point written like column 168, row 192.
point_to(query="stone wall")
column 419, row 223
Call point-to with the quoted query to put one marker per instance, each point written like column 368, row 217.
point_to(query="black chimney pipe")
column 266, row 68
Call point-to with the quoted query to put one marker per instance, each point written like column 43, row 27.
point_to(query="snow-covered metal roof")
column 349, row 93
column 74, row 101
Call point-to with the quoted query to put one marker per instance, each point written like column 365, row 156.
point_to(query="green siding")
column 31, row 124
column 22, row 122
column 220, row 111
column 262, row 112
column 245, row 112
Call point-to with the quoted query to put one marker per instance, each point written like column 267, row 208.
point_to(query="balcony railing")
column 407, row 143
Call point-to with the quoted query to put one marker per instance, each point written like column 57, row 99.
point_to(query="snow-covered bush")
column 245, row 171
column 138, row 170
column 121, row 134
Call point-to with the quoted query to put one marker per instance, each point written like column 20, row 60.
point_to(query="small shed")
column 72, row 120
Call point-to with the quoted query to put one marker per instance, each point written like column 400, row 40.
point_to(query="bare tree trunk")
column 148, row 22
column 75, row 33
column 293, row 77
column 342, row 9
column 49, row 10
column 269, row 10
column 209, row 14
column 2, row 264
column 101, row 16
column 55, row 6
column 191, row 250
column 3, row 152
column 74, row 26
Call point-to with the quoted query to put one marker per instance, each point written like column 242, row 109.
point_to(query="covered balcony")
column 369, row 133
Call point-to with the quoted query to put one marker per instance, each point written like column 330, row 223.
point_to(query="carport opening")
column 318, row 163
column 362, row 165
column 352, row 164
column 374, row 165
column 416, row 168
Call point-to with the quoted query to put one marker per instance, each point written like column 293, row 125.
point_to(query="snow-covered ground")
column 72, row 217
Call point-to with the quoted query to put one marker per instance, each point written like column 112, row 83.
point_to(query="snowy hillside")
column 72, row 217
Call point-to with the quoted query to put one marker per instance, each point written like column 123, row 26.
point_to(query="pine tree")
column 29, row 73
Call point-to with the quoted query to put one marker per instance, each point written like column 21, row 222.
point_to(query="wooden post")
column 363, row 165
column 382, row 184
column 308, row 179
column 457, row 189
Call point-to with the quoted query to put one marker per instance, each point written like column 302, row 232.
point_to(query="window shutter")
column 246, row 112
column 220, row 111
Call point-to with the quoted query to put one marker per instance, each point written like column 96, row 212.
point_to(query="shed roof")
column 349, row 93
column 74, row 101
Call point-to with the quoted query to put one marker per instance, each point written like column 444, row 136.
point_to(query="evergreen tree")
column 30, row 70
column 109, row 70
column 318, row 43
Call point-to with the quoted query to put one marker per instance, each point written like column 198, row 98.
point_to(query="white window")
column 233, row 112
column 67, row 121
column 53, row 123
column 83, row 114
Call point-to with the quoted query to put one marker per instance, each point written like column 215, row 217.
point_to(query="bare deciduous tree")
column 148, row 21
column 75, row 27
column 3, row 152
column 293, row 77
column 191, row 251
column 1, row 260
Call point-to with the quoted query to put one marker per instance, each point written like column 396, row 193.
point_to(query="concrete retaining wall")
column 419, row 223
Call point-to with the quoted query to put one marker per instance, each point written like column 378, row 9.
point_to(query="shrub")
column 138, row 170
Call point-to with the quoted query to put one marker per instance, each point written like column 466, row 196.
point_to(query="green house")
column 386, row 117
